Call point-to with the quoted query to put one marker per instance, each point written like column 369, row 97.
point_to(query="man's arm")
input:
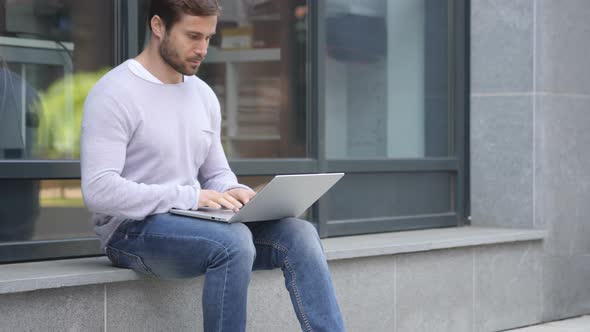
column 106, row 130
column 215, row 173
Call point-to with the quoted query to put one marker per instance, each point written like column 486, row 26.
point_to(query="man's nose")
column 201, row 50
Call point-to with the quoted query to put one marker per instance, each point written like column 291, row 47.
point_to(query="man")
column 151, row 142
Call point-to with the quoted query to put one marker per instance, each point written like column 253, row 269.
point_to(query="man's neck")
column 152, row 61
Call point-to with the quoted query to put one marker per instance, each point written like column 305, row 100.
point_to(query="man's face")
column 184, row 45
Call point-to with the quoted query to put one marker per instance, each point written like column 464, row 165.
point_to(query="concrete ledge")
column 424, row 240
column 24, row 277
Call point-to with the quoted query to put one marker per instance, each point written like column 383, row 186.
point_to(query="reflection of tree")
column 59, row 129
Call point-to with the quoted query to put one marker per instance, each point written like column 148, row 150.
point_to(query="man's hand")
column 241, row 194
column 217, row 200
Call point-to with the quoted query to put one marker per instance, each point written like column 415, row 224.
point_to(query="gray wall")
column 530, row 108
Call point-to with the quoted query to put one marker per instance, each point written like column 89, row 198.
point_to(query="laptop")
column 284, row 196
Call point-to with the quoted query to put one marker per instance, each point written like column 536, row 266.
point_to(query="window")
column 51, row 54
column 258, row 72
column 391, row 95
column 387, row 79
column 376, row 89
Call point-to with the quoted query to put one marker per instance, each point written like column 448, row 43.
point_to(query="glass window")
column 257, row 69
column 414, row 194
column 393, row 75
column 387, row 79
column 42, row 210
column 256, row 64
column 51, row 54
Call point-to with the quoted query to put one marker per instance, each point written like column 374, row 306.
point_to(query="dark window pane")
column 42, row 210
column 51, row 53
column 389, row 195
column 260, row 77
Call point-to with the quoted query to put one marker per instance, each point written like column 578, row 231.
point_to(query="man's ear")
column 158, row 26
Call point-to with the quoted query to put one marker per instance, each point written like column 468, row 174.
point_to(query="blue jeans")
column 171, row 246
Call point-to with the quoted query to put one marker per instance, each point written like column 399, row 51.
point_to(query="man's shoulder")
column 109, row 92
column 113, row 82
column 201, row 86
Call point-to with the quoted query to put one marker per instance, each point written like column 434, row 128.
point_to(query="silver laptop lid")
column 286, row 196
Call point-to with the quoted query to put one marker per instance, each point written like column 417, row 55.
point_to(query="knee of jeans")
column 241, row 244
column 304, row 236
column 238, row 252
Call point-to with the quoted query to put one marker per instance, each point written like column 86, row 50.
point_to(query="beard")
column 173, row 59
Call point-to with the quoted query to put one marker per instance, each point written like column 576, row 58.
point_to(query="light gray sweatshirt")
column 148, row 147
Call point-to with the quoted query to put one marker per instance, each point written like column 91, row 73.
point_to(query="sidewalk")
column 577, row 324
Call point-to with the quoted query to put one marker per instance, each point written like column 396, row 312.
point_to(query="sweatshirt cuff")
column 197, row 190
column 236, row 185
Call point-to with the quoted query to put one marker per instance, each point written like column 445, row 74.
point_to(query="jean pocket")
column 127, row 260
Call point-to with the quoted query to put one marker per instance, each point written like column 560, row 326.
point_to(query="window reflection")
column 259, row 77
column 42, row 210
column 387, row 96
column 51, row 53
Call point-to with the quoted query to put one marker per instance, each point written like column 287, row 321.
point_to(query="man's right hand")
column 217, row 200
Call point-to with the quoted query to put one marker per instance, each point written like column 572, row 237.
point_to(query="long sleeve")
column 106, row 131
column 215, row 172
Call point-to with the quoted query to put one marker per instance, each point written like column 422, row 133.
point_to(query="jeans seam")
column 138, row 258
column 297, row 297
column 292, row 273
column 174, row 236
column 224, row 289
column 272, row 244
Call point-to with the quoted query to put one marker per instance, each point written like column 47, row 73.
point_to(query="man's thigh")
column 173, row 246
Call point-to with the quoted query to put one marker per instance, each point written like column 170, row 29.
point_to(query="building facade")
column 460, row 123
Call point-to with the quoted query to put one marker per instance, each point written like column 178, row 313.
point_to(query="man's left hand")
column 241, row 194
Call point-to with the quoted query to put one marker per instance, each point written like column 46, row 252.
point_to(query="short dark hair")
column 170, row 10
